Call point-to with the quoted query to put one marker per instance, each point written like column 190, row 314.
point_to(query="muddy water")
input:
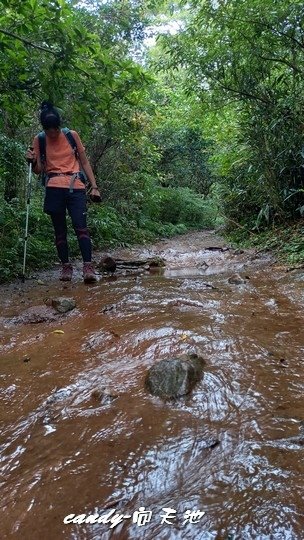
column 64, row 452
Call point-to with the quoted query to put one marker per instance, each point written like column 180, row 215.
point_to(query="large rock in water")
column 175, row 377
column 63, row 304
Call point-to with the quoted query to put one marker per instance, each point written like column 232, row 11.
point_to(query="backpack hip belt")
column 73, row 176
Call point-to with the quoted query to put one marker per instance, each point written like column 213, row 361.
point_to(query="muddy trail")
column 80, row 435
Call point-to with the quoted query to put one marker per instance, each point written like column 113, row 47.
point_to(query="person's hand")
column 30, row 155
column 95, row 195
column 95, row 191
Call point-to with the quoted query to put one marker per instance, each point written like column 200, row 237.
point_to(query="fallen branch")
column 217, row 248
column 135, row 263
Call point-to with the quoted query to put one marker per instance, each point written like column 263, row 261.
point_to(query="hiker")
column 58, row 154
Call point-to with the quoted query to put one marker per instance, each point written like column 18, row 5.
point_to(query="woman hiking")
column 64, row 188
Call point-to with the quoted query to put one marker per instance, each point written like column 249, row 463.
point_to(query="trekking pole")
column 28, row 197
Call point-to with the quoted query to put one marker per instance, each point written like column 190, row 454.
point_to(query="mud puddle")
column 80, row 435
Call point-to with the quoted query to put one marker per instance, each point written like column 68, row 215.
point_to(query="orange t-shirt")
column 61, row 158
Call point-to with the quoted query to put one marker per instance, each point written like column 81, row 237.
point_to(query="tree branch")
column 243, row 93
column 272, row 29
column 41, row 48
column 98, row 155
column 282, row 61
column 272, row 59
column 27, row 42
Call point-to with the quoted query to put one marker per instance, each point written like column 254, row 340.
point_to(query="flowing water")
column 65, row 451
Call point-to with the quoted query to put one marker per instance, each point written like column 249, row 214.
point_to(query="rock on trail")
column 175, row 377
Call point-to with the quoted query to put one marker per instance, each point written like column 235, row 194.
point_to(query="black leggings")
column 57, row 201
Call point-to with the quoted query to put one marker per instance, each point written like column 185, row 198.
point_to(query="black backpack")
column 42, row 150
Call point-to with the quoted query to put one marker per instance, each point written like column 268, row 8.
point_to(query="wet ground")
column 80, row 435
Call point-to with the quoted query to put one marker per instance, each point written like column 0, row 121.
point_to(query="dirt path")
column 80, row 435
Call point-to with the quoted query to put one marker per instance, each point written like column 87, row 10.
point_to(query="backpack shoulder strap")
column 70, row 139
column 42, row 147
column 73, row 144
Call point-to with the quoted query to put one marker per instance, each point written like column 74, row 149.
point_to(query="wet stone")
column 35, row 315
column 104, row 396
column 156, row 262
column 107, row 264
column 176, row 377
column 63, row 304
column 236, row 279
column 213, row 443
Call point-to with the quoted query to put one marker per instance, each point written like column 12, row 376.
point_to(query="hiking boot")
column 89, row 275
column 66, row 272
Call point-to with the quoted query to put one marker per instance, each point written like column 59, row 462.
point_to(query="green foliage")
column 10, row 241
column 285, row 241
column 69, row 60
column 105, row 226
column 12, row 166
column 183, row 158
column 183, row 206
column 245, row 62
column 178, row 133
column 40, row 239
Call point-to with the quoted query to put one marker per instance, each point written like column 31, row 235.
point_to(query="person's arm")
column 85, row 164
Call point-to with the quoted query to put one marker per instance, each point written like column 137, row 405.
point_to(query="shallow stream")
column 65, row 451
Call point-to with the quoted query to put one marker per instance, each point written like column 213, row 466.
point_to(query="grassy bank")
column 286, row 241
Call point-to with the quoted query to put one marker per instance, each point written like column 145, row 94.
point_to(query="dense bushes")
column 182, row 205
column 12, row 228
